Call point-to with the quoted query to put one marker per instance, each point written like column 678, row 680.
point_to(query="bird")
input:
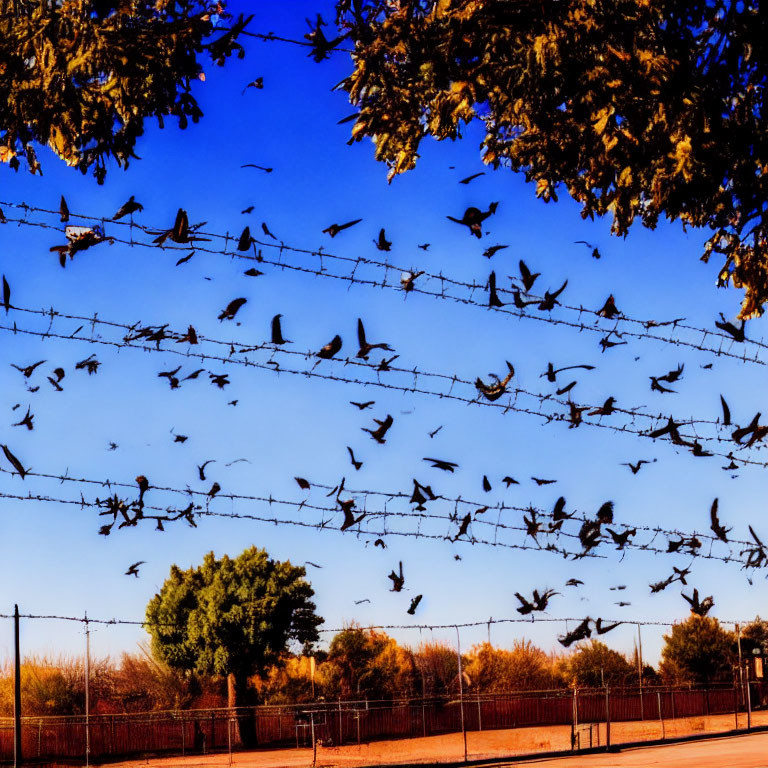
column 219, row 379
column 363, row 406
column 408, row 279
column 656, row 387
column 26, row 421
column 495, row 390
column 249, row 209
column 382, row 243
column 364, row 600
column 349, row 519
column 63, row 210
column 528, row 277
column 550, row 299
column 601, row 630
column 257, row 167
column 232, row 309
column 606, row 409
column 380, row 543
column 128, row 208
column 258, row 83
column 463, row 527
column 446, row 466
column 635, row 468
column 726, row 412
column 567, row 388
column 699, row 607
column 356, row 464
column 509, row 480
column 606, row 343
column 435, row 431
column 397, row 579
column 201, row 468
column 424, row 246
column 330, row 349
column 551, row 372
column 753, row 429
column 719, row 530
column 378, row 433
column 538, row 603
column 180, row 438
column 621, row 539
column 581, row 632
column 540, row 482
column 181, row 232
column 575, row 414
column 609, row 310
column 737, row 334
column 493, row 296
column 90, row 363
column 28, row 370
column 266, row 231
column 314, row 565
column 185, row 259
column 133, row 569
column 365, row 347
column 573, row 583
column 491, row 250
column 414, row 604
column 670, row 429
column 334, row 229
column 6, row 295
column 302, row 483
column 277, row 332
column 473, row 219
column 486, row 484
column 467, row 179
column 245, row 241
column 215, row 488
column 558, row 511
column 595, row 251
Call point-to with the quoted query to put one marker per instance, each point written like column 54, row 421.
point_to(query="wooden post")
column 607, row 718
column 17, row 756
column 461, row 693
column 661, row 717
column 640, row 669
column 341, row 739
column 314, row 743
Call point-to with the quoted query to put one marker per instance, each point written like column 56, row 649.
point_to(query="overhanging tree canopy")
column 81, row 76
column 639, row 108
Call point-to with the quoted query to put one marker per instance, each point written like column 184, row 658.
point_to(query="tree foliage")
column 524, row 667
column 594, row 665
column 638, row 109
column 81, row 76
column 232, row 617
column 698, row 651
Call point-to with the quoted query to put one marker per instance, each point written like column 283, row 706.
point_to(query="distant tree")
column 522, row 668
column 697, row 651
column 233, row 618
column 594, row 665
column 81, row 76
column 756, row 633
column 640, row 110
column 438, row 669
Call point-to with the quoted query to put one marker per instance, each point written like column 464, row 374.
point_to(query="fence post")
column 749, row 703
column 87, row 691
column 341, row 737
column 575, row 718
column 735, row 706
column 607, row 718
column 183, row 739
column 461, row 692
column 17, row 756
column 479, row 715
column 640, row 669
column 314, row 743
column 661, row 717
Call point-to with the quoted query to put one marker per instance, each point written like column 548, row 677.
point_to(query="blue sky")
column 55, row 561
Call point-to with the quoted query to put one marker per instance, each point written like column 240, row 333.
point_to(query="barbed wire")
column 452, row 520
column 506, row 406
column 471, row 288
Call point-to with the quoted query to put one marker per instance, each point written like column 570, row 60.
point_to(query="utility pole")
column 461, row 692
column 87, row 690
column 17, row 757
column 640, row 669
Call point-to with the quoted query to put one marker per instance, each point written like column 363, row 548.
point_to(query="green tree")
column 594, row 665
column 698, row 651
column 233, row 618
column 640, row 110
column 82, row 76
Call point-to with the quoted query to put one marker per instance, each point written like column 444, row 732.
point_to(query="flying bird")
column 363, row 406
column 540, row 482
column 719, row 530
column 609, row 310
column 303, row 484
column 414, row 604
column 495, row 390
column 365, row 347
column 382, row 243
column 550, row 299
column 378, row 433
column 133, row 569
column 334, row 229
column 446, row 466
column 63, row 210
column 467, row 179
column 581, row 632
column 699, row 607
column 232, row 309
column 737, row 334
column 349, row 519
column 201, row 468
column 601, row 630
column 493, row 296
column 15, row 463
column 258, row 83
column 492, row 250
column 258, row 167
column 528, row 277
column 463, row 527
column 593, row 248
column 726, row 412
column 26, row 421
column 473, row 219
column 330, row 349
column 128, row 208
column 356, row 464
column 636, row 467
column 397, row 579
column 551, row 372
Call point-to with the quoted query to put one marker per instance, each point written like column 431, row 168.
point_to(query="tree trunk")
column 245, row 719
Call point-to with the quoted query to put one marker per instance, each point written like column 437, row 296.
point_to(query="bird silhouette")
column 601, row 630
column 128, row 208
column 493, row 296
column 435, row 431
column 181, row 232
column 90, row 364
column 379, row 433
column 486, row 484
column 133, row 569
column 363, row 406
column 414, row 604
column 245, row 241
column 356, row 464
column 491, row 250
column 550, row 299
column 265, row 229
column 380, row 543
column 229, row 312
column 509, row 480
column 424, row 246
column 671, row 428
column 528, row 277
column 201, row 468
column 302, row 483
column 699, row 607
column 381, row 242
column 606, row 409
column 635, row 468
column 258, row 167
column 737, row 334
column 334, row 229
column 551, row 372
column 446, row 466
column 573, row 583
column 215, row 488
column 539, row 602
column 719, row 531
column 6, row 295
column 495, row 390
column 473, row 219
column 609, row 310
column 277, row 331
column 540, row 482
column 467, row 179
column 365, row 347
column 593, row 248
column 330, row 349
column 621, row 539
column 63, row 210
column 726, row 412
column 581, row 632
column 349, row 519
column 753, row 429
column 408, row 280
column 397, row 579
column 463, row 527
column 28, row 370
column 567, row 388
column 26, row 421
column 15, row 463
column 258, row 83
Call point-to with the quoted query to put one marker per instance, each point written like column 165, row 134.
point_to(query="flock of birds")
column 594, row 531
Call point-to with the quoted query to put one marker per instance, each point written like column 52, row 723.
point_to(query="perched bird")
column 215, row 488
column 181, row 232
column 737, row 334
column 232, row 309
column 365, row 347
column 349, row 519
column 330, row 349
column 277, row 331
column 245, row 241
column 128, row 208
column 334, row 229
column 621, row 539
column 473, row 219
column 408, row 279
column 486, row 483
column 382, row 243
column 446, row 466
column 133, row 569
column 609, row 310
column 414, row 604
column 549, row 301
column 303, row 484
column 495, row 390
column 463, row 527
column 397, row 579
column 378, row 433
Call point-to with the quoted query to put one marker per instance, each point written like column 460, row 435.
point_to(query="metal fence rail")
column 355, row 722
